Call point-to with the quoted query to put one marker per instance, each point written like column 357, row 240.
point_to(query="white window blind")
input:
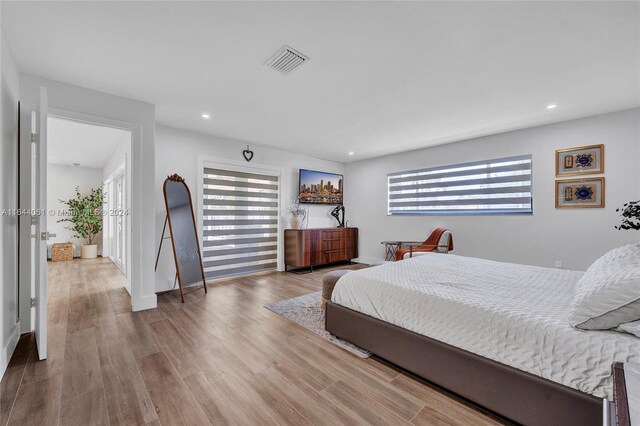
column 240, row 220
column 483, row 187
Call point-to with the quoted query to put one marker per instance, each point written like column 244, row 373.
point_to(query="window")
column 240, row 221
column 483, row 187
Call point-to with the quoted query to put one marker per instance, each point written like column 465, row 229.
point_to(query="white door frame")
column 133, row 129
column 26, row 321
column 33, row 226
column 139, row 118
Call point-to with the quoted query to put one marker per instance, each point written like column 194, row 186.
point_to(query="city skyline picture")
column 320, row 187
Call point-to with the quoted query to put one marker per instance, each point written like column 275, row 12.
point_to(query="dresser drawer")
column 331, row 244
column 332, row 233
column 328, row 256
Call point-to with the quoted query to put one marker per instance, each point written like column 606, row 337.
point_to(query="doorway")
column 40, row 99
column 85, row 160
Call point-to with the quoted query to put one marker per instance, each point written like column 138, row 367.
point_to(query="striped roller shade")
column 483, row 187
column 240, row 220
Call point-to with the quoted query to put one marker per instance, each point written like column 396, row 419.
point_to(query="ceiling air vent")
column 286, row 59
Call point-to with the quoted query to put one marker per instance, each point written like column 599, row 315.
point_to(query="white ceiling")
column 91, row 146
column 383, row 76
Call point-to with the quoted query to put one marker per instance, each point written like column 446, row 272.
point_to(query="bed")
column 495, row 333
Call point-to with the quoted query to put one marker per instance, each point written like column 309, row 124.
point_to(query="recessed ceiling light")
column 205, row 116
column 552, row 106
column 351, row 152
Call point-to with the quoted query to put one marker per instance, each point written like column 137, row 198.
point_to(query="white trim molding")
column 9, row 348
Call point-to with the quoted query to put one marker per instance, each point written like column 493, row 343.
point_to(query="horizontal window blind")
column 483, row 187
column 240, row 220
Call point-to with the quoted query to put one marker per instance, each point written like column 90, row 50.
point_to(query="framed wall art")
column 580, row 193
column 583, row 160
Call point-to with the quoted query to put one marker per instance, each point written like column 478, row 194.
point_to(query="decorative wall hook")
column 247, row 154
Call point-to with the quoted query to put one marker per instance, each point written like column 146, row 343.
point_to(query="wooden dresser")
column 312, row 247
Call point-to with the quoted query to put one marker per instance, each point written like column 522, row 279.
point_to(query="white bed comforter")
column 514, row 314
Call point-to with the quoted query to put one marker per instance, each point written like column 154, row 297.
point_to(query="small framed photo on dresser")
column 583, row 160
column 580, row 193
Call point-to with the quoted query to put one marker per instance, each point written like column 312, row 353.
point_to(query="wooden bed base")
column 512, row 393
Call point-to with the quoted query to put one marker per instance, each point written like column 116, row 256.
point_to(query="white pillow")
column 630, row 327
column 608, row 294
column 444, row 241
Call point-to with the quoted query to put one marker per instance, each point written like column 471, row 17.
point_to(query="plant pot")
column 89, row 251
column 296, row 222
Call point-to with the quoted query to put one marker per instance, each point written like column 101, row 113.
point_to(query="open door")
column 40, row 235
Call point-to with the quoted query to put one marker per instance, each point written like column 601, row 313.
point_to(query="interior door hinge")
column 34, row 302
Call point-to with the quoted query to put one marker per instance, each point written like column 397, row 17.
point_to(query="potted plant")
column 631, row 215
column 85, row 216
column 298, row 214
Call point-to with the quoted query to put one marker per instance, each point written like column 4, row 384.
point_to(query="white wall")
column 61, row 184
column 138, row 117
column 9, row 96
column 177, row 151
column 120, row 155
column 574, row 236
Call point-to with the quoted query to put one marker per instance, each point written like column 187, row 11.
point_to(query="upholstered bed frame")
column 512, row 393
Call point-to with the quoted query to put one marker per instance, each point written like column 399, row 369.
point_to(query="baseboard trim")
column 8, row 349
column 144, row 303
column 368, row 260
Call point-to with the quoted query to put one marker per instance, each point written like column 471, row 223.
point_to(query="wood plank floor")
column 217, row 359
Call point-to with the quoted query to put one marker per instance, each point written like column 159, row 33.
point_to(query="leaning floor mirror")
column 184, row 237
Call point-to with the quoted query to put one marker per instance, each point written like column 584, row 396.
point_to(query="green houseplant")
column 85, row 216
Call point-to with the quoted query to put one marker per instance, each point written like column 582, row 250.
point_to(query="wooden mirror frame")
column 177, row 178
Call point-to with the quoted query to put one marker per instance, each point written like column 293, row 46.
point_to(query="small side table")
column 391, row 247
